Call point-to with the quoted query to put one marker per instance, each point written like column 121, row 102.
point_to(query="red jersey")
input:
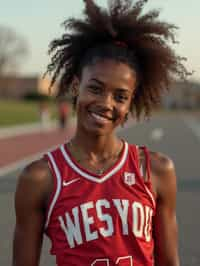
column 105, row 220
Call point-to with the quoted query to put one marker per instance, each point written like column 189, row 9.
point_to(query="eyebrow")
column 123, row 91
column 98, row 81
column 102, row 83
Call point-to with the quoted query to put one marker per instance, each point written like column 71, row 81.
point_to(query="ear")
column 75, row 86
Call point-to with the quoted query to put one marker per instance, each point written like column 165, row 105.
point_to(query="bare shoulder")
column 163, row 174
column 35, row 181
column 161, row 163
column 36, row 170
column 35, row 173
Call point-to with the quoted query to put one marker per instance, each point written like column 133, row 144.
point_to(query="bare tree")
column 13, row 48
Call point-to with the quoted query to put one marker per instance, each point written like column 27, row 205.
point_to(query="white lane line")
column 193, row 125
column 22, row 163
column 14, row 131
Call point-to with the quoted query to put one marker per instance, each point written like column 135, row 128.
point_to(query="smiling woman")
column 103, row 103
column 100, row 200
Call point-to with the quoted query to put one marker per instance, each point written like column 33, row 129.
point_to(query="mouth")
column 101, row 118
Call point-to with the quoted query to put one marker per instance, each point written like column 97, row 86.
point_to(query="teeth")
column 101, row 118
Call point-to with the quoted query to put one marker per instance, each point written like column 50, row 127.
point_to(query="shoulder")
column 161, row 163
column 36, row 172
column 35, row 181
column 163, row 174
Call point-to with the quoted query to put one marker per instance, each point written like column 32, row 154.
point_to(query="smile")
column 100, row 118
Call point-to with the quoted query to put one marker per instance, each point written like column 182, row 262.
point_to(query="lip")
column 100, row 118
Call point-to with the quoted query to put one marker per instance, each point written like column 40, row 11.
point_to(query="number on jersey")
column 121, row 261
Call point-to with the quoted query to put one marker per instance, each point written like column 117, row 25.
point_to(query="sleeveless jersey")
column 102, row 220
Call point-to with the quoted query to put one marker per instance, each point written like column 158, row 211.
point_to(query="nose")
column 107, row 101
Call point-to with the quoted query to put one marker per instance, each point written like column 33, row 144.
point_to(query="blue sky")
column 39, row 22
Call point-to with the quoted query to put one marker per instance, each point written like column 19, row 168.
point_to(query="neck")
column 98, row 146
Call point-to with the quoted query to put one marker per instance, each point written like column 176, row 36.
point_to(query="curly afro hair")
column 123, row 33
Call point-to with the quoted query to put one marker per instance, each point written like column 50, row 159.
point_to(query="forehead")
column 111, row 73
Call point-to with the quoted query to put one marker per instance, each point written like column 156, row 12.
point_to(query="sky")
column 39, row 22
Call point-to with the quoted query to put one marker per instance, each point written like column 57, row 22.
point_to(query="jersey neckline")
column 88, row 174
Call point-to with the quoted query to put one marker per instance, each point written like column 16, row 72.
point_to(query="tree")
column 13, row 48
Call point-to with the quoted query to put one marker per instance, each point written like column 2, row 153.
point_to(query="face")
column 105, row 91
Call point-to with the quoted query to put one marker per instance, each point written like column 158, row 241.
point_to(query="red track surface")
column 17, row 148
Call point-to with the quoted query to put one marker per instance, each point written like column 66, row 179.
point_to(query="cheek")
column 83, row 101
column 126, row 108
column 122, row 112
column 84, row 96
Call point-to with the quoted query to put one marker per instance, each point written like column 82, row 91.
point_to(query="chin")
column 98, row 131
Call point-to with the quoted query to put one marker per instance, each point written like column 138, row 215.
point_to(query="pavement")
column 13, row 131
column 21, row 144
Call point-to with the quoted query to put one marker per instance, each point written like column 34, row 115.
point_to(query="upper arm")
column 30, row 199
column 165, row 224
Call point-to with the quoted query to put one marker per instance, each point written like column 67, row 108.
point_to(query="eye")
column 94, row 89
column 121, row 98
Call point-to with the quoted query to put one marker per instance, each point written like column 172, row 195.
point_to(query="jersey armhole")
column 147, row 163
column 144, row 169
column 56, row 186
column 148, row 181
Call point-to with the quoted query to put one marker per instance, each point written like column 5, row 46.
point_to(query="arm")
column 30, row 198
column 165, row 224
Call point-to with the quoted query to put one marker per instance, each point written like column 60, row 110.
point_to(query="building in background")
column 182, row 95
column 16, row 87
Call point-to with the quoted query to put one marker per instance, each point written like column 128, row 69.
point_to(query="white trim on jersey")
column 141, row 170
column 150, row 195
column 58, row 188
column 94, row 178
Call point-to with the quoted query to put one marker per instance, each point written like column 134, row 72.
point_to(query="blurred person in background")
column 44, row 114
column 63, row 113
column 100, row 200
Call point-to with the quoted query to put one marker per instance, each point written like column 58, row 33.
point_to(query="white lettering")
column 104, row 217
column 107, row 263
column 88, row 220
column 148, row 222
column 122, row 208
column 72, row 230
column 127, row 259
column 138, row 219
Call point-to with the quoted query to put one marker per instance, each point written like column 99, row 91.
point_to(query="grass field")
column 20, row 112
column 14, row 112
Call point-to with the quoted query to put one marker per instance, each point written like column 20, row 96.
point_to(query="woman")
column 100, row 200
